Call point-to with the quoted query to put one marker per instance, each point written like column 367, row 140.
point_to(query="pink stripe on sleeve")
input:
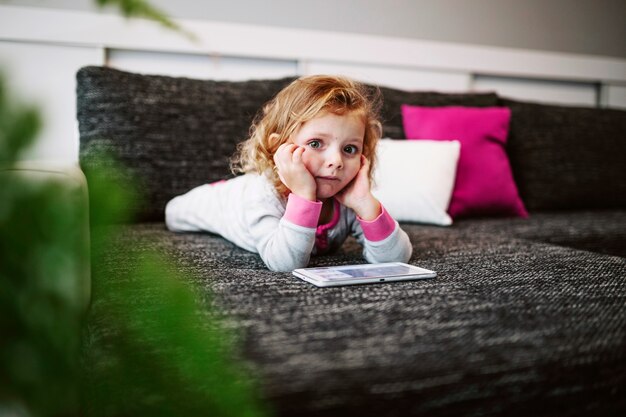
column 379, row 228
column 302, row 212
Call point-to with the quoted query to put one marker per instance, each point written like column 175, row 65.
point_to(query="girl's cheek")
column 306, row 159
column 306, row 156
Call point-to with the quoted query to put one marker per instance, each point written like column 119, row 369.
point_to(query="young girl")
column 307, row 167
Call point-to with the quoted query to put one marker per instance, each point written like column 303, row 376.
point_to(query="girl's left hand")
column 358, row 195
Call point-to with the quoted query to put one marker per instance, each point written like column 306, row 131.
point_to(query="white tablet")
column 362, row 274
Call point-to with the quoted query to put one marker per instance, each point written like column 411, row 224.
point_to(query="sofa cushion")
column 484, row 182
column 414, row 179
column 172, row 133
column 521, row 327
column 568, row 157
column 601, row 231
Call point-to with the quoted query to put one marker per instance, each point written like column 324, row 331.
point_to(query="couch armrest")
column 65, row 188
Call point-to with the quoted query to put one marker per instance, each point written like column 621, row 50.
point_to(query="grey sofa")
column 526, row 317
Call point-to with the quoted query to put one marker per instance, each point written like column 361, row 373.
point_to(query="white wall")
column 593, row 27
column 42, row 49
column 50, row 86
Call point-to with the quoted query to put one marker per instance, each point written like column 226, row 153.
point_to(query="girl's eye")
column 315, row 144
column 351, row 149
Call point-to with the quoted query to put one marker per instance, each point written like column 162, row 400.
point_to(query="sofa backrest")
column 566, row 158
column 393, row 99
column 177, row 133
column 171, row 133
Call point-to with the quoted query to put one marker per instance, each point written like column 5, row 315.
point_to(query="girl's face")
column 333, row 145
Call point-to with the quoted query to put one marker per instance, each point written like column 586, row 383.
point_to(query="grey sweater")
column 247, row 211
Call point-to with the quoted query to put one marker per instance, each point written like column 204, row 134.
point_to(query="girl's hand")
column 358, row 195
column 293, row 173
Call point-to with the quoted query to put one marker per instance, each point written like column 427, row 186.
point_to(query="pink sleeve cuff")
column 302, row 212
column 380, row 228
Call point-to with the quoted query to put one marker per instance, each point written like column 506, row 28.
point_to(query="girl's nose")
column 335, row 160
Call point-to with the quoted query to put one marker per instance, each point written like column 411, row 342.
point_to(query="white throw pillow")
column 414, row 179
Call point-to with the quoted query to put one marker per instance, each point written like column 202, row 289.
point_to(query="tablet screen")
column 367, row 271
column 362, row 274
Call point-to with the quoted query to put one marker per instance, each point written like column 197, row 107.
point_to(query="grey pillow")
column 172, row 133
column 568, row 157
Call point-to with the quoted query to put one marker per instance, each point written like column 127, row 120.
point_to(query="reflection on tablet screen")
column 339, row 273
column 376, row 272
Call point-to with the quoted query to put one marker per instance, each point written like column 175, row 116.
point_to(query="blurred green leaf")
column 142, row 9
column 19, row 126
column 41, row 277
column 150, row 348
column 146, row 347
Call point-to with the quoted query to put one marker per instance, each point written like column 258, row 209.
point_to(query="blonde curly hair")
column 303, row 100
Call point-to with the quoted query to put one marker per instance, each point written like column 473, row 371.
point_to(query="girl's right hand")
column 293, row 173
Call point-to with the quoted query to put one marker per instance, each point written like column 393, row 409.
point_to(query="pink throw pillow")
column 484, row 181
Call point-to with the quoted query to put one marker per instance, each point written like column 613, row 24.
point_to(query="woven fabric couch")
column 526, row 316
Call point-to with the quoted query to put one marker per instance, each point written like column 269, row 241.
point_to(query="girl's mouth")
column 328, row 178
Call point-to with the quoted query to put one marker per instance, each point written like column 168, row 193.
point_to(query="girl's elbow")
column 277, row 268
column 169, row 216
column 408, row 252
column 407, row 255
column 284, row 264
column 174, row 216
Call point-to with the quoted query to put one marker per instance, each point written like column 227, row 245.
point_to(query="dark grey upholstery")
column 172, row 133
column 568, row 157
column 393, row 99
column 510, row 327
column 602, row 231
column 526, row 316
